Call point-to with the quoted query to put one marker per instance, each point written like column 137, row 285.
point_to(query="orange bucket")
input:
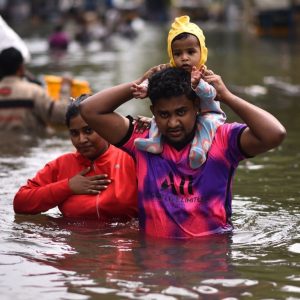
column 54, row 83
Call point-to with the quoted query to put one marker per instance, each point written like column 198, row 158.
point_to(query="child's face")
column 186, row 52
column 175, row 118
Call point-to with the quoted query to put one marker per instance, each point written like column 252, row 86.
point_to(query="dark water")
column 47, row 257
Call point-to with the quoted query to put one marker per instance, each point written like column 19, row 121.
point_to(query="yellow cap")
column 183, row 24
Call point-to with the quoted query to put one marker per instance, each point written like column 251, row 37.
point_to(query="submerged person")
column 176, row 201
column 187, row 50
column 59, row 39
column 97, row 181
column 25, row 106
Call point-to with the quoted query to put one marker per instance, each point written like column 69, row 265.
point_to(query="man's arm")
column 264, row 131
column 98, row 111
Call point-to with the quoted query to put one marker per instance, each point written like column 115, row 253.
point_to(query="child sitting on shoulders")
column 187, row 50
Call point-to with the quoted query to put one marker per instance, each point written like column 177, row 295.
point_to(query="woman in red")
column 97, row 181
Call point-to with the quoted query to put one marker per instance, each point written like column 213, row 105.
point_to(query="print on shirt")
column 182, row 189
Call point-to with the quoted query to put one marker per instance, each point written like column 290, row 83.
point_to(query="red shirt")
column 49, row 188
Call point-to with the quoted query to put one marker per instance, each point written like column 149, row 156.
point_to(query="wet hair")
column 10, row 61
column 73, row 108
column 170, row 82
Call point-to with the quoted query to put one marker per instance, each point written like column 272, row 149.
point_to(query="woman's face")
column 87, row 141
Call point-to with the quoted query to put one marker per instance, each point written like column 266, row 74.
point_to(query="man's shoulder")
column 32, row 86
column 21, row 88
column 227, row 139
column 27, row 88
column 228, row 135
column 228, row 128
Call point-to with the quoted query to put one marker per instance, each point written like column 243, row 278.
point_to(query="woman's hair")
column 170, row 82
column 73, row 108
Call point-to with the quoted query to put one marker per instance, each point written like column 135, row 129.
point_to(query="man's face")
column 175, row 118
column 87, row 141
column 186, row 52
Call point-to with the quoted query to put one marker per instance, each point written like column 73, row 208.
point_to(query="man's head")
column 11, row 60
column 183, row 25
column 87, row 141
column 174, row 104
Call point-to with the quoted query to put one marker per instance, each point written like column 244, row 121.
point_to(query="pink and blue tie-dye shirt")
column 176, row 201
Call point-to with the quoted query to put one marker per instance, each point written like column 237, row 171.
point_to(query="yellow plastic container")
column 54, row 83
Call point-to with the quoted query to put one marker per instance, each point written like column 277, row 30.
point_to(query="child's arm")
column 209, row 120
column 209, row 108
column 140, row 91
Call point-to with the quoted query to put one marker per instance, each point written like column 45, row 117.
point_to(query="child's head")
column 185, row 36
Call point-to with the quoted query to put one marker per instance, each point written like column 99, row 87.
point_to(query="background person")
column 59, row 39
column 25, row 106
column 97, row 181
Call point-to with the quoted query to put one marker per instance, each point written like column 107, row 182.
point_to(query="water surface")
column 48, row 257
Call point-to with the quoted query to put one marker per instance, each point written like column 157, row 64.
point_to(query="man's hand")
column 154, row 70
column 143, row 123
column 90, row 185
column 139, row 91
column 217, row 82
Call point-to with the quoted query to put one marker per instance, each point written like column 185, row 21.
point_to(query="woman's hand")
column 90, row 185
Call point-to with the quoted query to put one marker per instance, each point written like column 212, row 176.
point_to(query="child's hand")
column 196, row 75
column 139, row 91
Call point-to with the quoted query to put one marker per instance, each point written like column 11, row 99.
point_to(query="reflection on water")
column 54, row 258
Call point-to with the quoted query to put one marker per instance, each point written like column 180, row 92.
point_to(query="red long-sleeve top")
column 49, row 188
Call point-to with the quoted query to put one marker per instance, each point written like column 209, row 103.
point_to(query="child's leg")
column 204, row 135
column 197, row 155
column 153, row 143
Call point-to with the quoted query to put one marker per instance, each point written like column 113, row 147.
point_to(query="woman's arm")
column 41, row 193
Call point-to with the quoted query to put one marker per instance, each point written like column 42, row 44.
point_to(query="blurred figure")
column 59, row 39
column 24, row 106
column 91, row 28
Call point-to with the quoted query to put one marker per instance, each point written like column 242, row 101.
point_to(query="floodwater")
column 48, row 257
